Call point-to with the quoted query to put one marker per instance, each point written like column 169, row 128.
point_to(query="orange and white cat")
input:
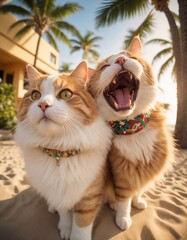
column 64, row 142
column 126, row 95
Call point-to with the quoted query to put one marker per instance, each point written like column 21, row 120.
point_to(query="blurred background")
column 55, row 36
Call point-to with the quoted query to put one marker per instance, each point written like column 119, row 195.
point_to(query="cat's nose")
column 43, row 106
column 120, row 60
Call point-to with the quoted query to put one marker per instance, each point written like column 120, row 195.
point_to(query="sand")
column 24, row 214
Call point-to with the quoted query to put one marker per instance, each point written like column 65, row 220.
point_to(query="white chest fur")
column 138, row 146
column 63, row 185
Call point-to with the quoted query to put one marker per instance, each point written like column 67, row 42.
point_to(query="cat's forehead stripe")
column 48, row 83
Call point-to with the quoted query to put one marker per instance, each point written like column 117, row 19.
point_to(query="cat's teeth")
column 130, row 75
column 114, row 81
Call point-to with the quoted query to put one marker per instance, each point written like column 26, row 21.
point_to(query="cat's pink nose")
column 43, row 106
column 120, row 60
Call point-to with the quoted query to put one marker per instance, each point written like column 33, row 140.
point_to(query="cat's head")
column 57, row 104
column 123, row 84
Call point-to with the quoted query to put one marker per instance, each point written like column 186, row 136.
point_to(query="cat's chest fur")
column 138, row 146
column 63, row 185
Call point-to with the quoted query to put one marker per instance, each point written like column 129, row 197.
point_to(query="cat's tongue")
column 123, row 97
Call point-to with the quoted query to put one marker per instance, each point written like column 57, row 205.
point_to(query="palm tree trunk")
column 177, row 53
column 183, row 93
column 37, row 49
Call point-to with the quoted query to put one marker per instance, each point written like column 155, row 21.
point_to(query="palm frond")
column 60, row 35
column 11, row 8
column 160, row 41
column 27, row 3
column 176, row 16
column 112, row 11
column 95, row 39
column 27, row 21
column 51, row 40
column 174, row 71
column 76, row 41
column 95, row 54
column 67, row 26
column 162, row 53
column 45, row 7
column 144, row 28
column 165, row 66
column 23, row 31
column 95, row 45
column 65, row 10
column 75, row 49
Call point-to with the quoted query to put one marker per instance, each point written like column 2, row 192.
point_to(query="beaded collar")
column 57, row 154
column 127, row 127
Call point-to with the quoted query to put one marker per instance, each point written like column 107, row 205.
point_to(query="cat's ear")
column 81, row 72
column 135, row 46
column 91, row 72
column 32, row 73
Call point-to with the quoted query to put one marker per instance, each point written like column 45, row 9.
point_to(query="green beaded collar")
column 127, row 127
column 57, row 154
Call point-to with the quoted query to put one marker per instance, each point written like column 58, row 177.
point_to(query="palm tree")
column 113, row 10
column 87, row 44
column 65, row 67
column 44, row 17
column 166, row 52
column 183, row 20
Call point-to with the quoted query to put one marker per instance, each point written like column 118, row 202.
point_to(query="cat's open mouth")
column 122, row 91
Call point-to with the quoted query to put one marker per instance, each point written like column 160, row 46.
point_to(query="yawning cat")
column 64, row 143
column 126, row 94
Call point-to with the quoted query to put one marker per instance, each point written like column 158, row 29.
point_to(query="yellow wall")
column 24, row 48
column 15, row 53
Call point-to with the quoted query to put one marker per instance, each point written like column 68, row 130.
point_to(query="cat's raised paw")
column 123, row 222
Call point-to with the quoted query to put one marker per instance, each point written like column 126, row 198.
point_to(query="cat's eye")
column 35, row 95
column 65, row 94
column 104, row 66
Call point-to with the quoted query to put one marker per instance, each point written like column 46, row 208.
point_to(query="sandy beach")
column 24, row 214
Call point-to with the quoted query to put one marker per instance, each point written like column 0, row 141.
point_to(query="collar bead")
column 57, row 154
column 127, row 127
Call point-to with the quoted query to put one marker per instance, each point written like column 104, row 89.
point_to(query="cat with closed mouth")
column 126, row 94
column 64, row 143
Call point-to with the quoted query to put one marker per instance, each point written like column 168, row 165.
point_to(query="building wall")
column 16, row 53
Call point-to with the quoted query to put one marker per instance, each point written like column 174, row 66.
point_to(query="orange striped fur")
column 139, row 159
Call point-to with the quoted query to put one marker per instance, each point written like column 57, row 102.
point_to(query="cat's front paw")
column 113, row 206
column 51, row 209
column 78, row 237
column 65, row 231
column 124, row 222
column 81, row 233
column 140, row 204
